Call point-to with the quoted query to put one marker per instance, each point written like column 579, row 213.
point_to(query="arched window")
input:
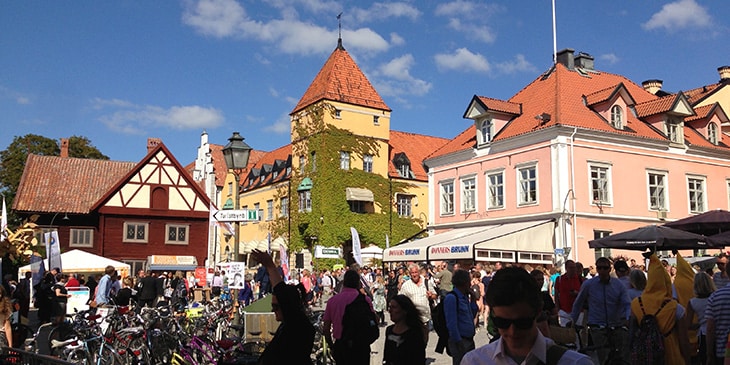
column 712, row 133
column 617, row 117
column 486, row 130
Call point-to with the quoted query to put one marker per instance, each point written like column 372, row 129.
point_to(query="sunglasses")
column 603, row 267
column 519, row 323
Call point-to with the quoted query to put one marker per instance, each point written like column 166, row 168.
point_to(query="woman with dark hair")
column 60, row 298
column 293, row 341
column 404, row 340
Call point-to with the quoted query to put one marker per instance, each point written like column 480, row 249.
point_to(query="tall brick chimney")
column 152, row 143
column 64, row 147
column 652, row 86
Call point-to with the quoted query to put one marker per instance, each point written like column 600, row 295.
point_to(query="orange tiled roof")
column 696, row 95
column 656, row 106
column 282, row 153
column 417, row 147
column 500, row 105
column 601, row 95
column 340, row 79
column 67, row 185
column 559, row 92
column 219, row 164
column 701, row 112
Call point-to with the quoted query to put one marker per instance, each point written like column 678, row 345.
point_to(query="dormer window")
column 674, row 130
column 261, row 179
column 617, row 117
column 403, row 165
column 338, row 113
column 486, row 130
column 712, row 133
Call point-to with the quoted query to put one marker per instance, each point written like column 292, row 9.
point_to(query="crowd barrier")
column 15, row 356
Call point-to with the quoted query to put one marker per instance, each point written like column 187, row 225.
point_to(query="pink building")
column 575, row 155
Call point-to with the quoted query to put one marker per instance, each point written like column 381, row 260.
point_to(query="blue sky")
column 119, row 72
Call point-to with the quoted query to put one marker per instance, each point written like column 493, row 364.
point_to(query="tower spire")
column 339, row 35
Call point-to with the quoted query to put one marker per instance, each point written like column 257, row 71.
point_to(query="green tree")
column 13, row 158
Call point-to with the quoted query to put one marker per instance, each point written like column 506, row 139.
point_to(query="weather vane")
column 339, row 24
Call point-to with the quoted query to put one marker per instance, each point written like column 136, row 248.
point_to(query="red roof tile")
column 501, row 105
column 66, row 185
column 267, row 158
column 219, row 165
column 701, row 112
column 696, row 95
column 417, row 147
column 340, row 79
column 600, row 95
column 656, row 106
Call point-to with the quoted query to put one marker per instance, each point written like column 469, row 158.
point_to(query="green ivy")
column 329, row 222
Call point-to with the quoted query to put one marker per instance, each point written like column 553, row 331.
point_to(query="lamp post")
column 236, row 154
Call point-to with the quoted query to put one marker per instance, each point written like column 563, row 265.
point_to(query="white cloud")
column 479, row 32
column 462, row 60
column 519, row 64
column 394, row 78
column 281, row 126
column 126, row 117
column 609, row 58
column 18, row 97
column 396, row 39
column 383, row 11
column 680, row 15
column 227, row 18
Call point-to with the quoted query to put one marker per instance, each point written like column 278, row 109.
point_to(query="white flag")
column 356, row 246
column 53, row 247
column 387, row 242
column 4, row 223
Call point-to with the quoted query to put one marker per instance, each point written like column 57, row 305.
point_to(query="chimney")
column 584, row 60
column 152, row 143
column 724, row 72
column 565, row 57
column 652, row 86
column 64, row 147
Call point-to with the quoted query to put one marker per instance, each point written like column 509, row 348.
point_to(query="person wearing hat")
column 622, row 272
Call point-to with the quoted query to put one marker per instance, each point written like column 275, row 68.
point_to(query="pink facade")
column 591, row 151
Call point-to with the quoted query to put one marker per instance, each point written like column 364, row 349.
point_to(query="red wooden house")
column 150, row 213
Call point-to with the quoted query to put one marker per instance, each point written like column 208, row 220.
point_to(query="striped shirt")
column 417, row 294
column 718, row 309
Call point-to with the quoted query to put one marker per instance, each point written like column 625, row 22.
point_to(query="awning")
column 358, row 194
column 171, row 263
column 418, row 250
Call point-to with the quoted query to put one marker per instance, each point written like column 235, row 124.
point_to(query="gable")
column 157, row 182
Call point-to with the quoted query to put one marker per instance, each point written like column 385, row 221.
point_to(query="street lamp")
column 236, row 154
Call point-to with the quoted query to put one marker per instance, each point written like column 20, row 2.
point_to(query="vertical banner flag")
column 53, row 250
column 283, row 259
column 387, row 242
column 4, row 223
column 356, row 246
column 37, row 269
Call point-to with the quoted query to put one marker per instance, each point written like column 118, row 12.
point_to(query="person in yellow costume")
column 684, row 287
column 658, row 290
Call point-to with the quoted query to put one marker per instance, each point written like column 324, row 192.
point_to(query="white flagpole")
column 4, row 223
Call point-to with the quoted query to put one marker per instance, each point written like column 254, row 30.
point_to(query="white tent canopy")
column 372, row 251
column 77, row 261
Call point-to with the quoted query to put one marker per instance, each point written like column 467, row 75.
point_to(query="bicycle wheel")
column 108, row 356
column 62, row 332
column 137, row 352
column 78, row 357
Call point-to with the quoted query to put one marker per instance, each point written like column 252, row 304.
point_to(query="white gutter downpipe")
column 572, row 188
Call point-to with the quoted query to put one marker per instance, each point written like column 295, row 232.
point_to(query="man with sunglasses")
column 720, row 277
column 609, row 308
column 515, row 301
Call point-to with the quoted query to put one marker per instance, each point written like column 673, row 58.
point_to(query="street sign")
column 239, row 215
column 559, row 251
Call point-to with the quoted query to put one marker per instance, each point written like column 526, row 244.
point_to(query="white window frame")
column 468, row 194
column 302, row 163
column 696, row 185
column 664, row 204
column 495, row 190
column 367, row 163
column 404, row 205
column 524, row 197
column 284, row 208
column 177, row 226
column 712, row 134
column 344, row 160
column 305, row 201
column 606, row 197
column 376, row 120
column 270, row 210
column 486, row 130
column 674, row 129
column 76, row 234
column 230, row 188
column 146, row 226
column 447, row 197
column 617, row 117
column 601, row 252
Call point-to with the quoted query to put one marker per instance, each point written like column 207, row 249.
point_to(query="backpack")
column 359, row 324
column 181, row 291
column 647, row 341
column 439, row 317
